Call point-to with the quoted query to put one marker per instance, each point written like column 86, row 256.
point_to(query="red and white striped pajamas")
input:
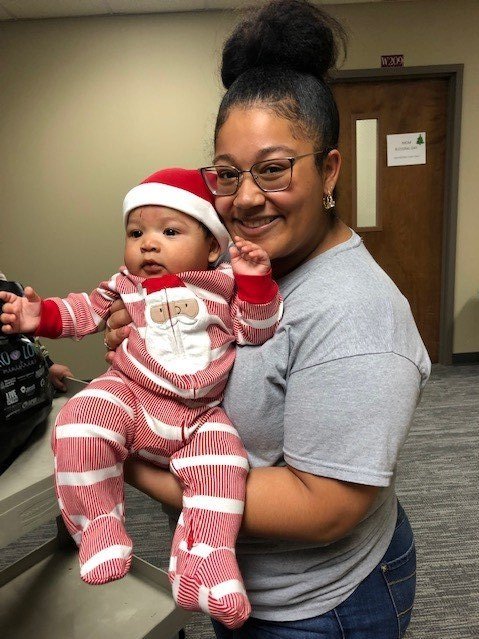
column 160, row 401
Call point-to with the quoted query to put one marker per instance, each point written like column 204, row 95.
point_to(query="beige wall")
column 435, row 32
column 90, row 106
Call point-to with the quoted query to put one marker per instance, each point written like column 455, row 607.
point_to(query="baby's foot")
column 105, row 551
column 208, row 579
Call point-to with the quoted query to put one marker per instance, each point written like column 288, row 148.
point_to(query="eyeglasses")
column 269, row 175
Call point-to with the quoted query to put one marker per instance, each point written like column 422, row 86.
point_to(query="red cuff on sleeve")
column 256, row 289
column 50, row 320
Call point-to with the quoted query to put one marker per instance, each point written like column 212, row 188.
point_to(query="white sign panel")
column 406, row 148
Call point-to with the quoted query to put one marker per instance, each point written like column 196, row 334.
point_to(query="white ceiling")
column 39, row 9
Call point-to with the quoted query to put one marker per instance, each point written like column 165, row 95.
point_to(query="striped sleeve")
column 256, row 308
column 78, row 314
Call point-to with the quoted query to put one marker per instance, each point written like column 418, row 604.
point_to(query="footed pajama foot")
column 208, row 580
column 105, row 551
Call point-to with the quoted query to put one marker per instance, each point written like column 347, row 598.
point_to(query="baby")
column 160, row 398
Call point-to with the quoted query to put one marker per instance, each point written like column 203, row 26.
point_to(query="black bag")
column 25, row 390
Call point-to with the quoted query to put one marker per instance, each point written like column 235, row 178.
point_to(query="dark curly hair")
column 280, row 56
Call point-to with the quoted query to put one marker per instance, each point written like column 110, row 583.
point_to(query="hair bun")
column 293, row 34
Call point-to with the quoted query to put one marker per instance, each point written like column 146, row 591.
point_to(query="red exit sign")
column 396, row 60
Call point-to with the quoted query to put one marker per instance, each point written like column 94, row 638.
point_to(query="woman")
column 324, row 407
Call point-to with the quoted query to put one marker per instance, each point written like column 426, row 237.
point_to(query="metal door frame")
column 453, row 73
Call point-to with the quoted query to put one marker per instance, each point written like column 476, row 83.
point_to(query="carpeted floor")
column 438, row 479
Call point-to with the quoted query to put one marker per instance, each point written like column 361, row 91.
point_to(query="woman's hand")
column 117, row 329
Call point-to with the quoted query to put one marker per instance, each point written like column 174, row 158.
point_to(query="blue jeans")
column 379, row 608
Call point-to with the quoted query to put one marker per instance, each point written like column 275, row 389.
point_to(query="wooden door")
column 407, row 237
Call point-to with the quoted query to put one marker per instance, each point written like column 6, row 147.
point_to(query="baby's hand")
column 20, row 314
column 248, row 258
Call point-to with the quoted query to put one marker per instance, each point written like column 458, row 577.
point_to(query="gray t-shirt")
column 332, row 393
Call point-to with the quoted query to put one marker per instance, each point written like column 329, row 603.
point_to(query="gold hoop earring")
column 328, row 202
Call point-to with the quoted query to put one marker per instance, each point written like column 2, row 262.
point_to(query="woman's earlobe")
column 332, row 169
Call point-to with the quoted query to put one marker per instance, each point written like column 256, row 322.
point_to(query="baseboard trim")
column 465, row 358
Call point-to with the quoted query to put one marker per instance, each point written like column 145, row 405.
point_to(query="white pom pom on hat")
column 180, row 189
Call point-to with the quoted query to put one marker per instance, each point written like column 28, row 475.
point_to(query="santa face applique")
column 176, row 335
column 185, row 311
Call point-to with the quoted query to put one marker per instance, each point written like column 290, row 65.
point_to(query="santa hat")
column 180, row 189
